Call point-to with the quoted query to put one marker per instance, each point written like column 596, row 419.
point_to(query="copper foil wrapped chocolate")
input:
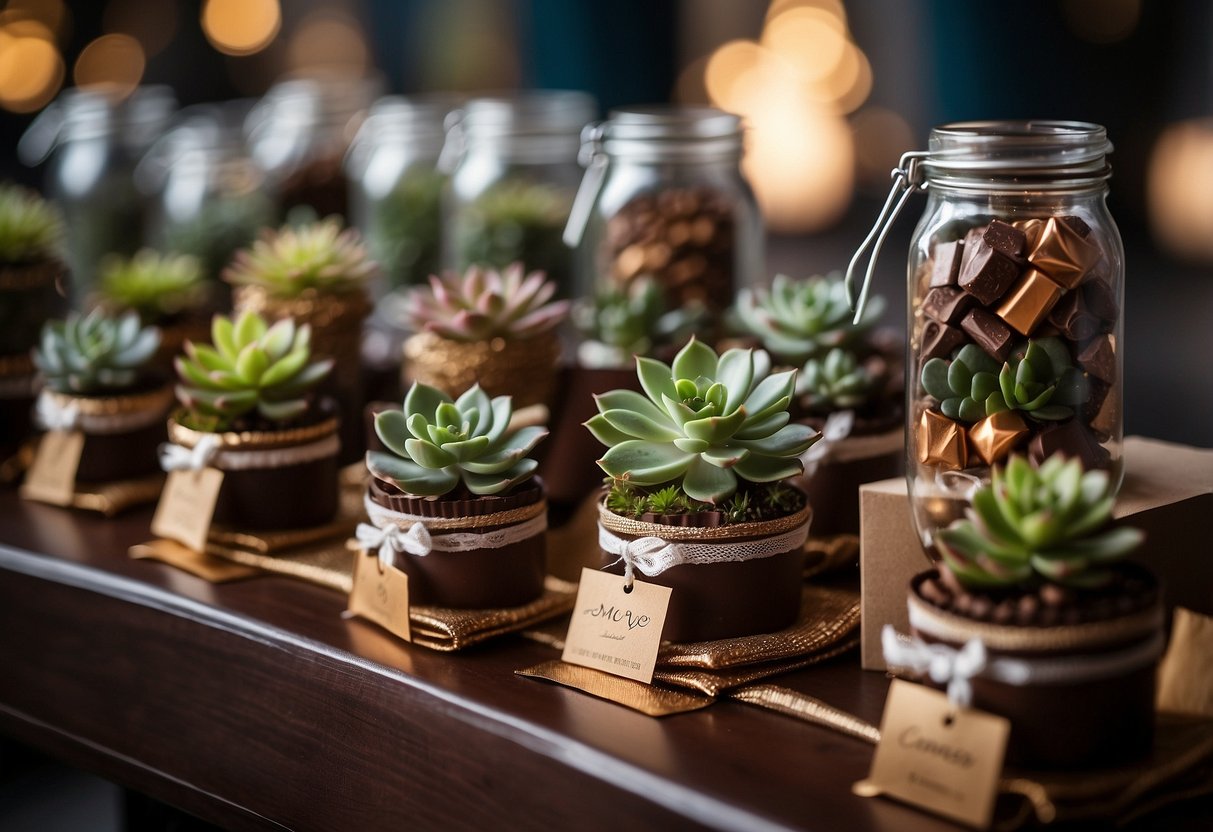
column 1032, row 229
column 1029, row 301
column 941, row 442
column 1063, row 254
column 994, row 437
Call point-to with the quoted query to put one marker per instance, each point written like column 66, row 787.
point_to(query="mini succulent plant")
column 1037, row 379
column 1037, row 524
column 95, row 353
column 435, row 443
column 837, row 382
column 483, row 304
column 31, row 230
column 703, row 423
column 152, row 284
column 291, row 260
column 633, row 319
column 801, row 319
column 251, row 369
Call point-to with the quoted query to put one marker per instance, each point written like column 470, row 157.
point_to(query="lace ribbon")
column 394, row 531
column 957, row 668
column 174, row 457
column 53, row 414
column 654, row 555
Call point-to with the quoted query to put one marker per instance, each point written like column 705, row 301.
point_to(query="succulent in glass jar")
column 95, row 353
column 437, row 443
column 1037, row 524
column 515, row 221
column 251, row 368
column 703, row 423
column 31, row 229
column 633, row 319
column 153, row 284
column 483, row 304
column 320, row 256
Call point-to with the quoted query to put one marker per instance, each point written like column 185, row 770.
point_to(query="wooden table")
column 254, row 705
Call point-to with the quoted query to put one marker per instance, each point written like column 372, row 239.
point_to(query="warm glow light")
column 328, row 41
column 834, row 7
column 241, row 27
column 727, row 65
column 1180, row 199
column 812, row 40
column 51, row 14
column 1102, row 21
column 14, row 25
column 31, row 72
column 881, row 136
column 115, row 62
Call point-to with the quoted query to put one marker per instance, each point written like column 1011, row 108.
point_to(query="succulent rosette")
column 436, row 443
column 704, row 423
column 483, row 304
column 94, row 353
column 321, row 256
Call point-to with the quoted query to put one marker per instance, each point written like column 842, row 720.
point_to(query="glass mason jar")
column 513, row 184
column 396, row 186
column 298, row 135
column 664, row 197
column 1016, row 287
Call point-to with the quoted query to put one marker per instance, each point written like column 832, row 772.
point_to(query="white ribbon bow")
column 391, row 539
column 955, row 668
column 174, row 457
column 837, row 428
column 53, row 416
column 651, row 555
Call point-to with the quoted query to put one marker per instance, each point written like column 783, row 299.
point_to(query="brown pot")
column 18, row 387
column 721, row 600
column 30, row 294
column 524, row 369
column 122, row 433
column 1066, row 724
column 508, row 576
column 274, row 495
column 834, row 487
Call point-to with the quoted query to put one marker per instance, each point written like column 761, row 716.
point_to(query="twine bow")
column 391, row 539
column 944, row 665
column 54, row 416
column 837, row 428
column 174, row 457
column 651, row 555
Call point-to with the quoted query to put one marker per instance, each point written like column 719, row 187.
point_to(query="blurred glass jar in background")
column 396, row 187
column 92, row 141
column 514, row 181
column 664, row 198
column 299, row 134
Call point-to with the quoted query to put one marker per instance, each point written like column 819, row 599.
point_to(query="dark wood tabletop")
column 253, row 704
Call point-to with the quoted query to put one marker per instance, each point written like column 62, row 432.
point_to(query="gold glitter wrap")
column 807, row 709
column 733, row 531
column 481, row 521
column 251, row 440
column 159, row 399
column 524, row 369
column 335, row 317
column 648, row 699
column 30, row 275
column 112, row 498
column 826, row 554
column 444, row 629
column 717, row 682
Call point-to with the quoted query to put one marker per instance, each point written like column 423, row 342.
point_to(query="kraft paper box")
column 1167, row 492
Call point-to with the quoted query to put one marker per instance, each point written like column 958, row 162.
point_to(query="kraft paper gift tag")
column 187, row 505
column 380, row 595
column 52, row 476
column 616, row 628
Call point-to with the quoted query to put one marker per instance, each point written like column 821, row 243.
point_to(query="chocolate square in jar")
column 939, row 340
column 1063, row 254
column 987, row 273
column 1098, row 358
column 1071, row 317
column 1005, row 238
column 946, row 304
column 946, row 268
column 1099, row 298
column 988, row 332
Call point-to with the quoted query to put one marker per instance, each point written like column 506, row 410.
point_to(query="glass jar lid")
column 668, row 133
column 539, row 113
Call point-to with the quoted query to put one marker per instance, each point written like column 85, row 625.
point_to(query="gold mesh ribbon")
column 827, row 554
column 524, row 369
column 154, row 400
column 801, row 706
column 733, row 531
column 179, row 434
column 480, row 521
column 445, row 629
column 648, row 699
column 112, row 498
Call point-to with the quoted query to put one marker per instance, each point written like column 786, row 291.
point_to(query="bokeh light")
column 881, row 136
column 241, row 27
column 328, row 41
column 115, row 62
column 1179, row 197
column 31, row 68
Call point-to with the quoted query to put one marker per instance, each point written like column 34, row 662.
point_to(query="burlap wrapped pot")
column 524, row 369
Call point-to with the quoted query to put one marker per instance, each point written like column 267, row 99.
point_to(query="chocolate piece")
column 1071, row 317
column 987, row 273
column 991, row 334
column 995, row 436
column 1047, row 330
column 1097, row 391
column 1106, row 422
column 1098, row 358
column 938, row 340
column 1071, row 439
column 1063, row 254
column 1005, row 238
column 1026, row 305
column 947, row 263
column 946, row 304
column 1032, row 230
column 941, row 441
column 1078, row 225
column 1099, row 298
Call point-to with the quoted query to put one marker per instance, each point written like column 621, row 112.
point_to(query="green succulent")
column 250, row 368
column 801, row 319
column 31, row 229
column 152, row 284
column 435, row 443
column 668, row 500
column 702, row 423
column 1036, row 379
column 1032, row 524
column 837, row 382
column 291, row 260
column 95, row 353
column 633, row 319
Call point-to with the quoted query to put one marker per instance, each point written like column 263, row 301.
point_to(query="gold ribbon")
column 123, row 405
column 249, row 440
column 501, row 518
column 734, row 531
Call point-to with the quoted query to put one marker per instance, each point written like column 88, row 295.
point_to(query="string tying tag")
column 53, row 416
column 907, row 178
column 174, row 457
column 652, row 554
column 944, row 665
column 391, row 539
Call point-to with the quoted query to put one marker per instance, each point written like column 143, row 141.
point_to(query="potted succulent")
column 497, row 329
column 167, row 290
column 850, row 389
column 250, row 396
column 1062, row 637
column 31, row 292
column 99, row 379
column 456, row 481
column 698, row 500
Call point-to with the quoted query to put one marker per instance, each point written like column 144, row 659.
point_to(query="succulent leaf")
column 95, row 353
column 291, row 260
column 837, row 382
column 151, row 283
column 481, row 305
column 31, row 229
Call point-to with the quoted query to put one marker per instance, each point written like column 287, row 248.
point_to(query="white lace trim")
column 654, row 555
column 50, row 414
column 206, row 452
